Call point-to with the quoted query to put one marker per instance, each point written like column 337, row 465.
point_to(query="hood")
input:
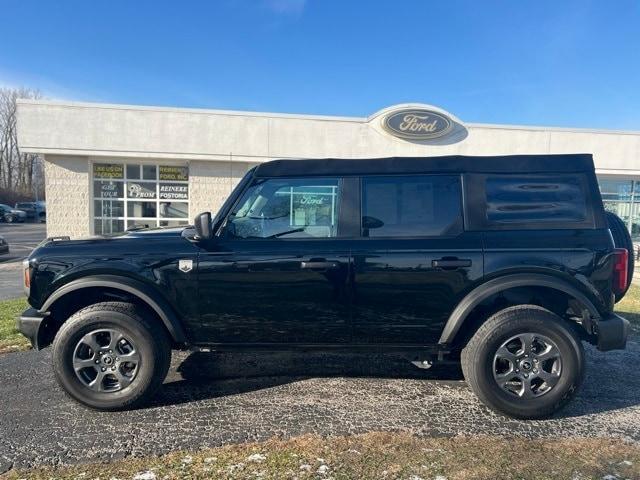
column 156, row 232
column 134, row 237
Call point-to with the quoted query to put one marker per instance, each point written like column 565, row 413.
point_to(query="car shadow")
column 203, row 375
column 200, row 375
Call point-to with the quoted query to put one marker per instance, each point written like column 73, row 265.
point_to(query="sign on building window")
column 140, row 190
column 174, row 191
column 172, row 173
column 107, row 170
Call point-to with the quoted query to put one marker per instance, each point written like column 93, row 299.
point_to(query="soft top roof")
column 450, row 164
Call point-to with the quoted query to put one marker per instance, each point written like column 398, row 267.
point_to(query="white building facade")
column 111, row 167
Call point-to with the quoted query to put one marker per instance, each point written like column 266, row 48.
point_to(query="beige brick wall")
column 67, row 189
column 210, row 183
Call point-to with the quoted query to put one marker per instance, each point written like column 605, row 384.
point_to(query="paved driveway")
column 213, row 399
column 22, row 238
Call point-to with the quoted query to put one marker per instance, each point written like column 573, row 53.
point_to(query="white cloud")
column 49, row 89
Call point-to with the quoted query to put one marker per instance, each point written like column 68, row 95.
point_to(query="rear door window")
column 411, row 206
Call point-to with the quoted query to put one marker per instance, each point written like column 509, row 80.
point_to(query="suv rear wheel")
column 109, row 357
column 524, row 362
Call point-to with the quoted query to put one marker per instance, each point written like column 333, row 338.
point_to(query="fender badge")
column 185, row 265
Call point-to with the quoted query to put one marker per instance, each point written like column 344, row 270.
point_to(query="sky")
column 569, row 63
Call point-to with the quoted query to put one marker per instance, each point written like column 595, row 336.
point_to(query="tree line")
column 21, row 174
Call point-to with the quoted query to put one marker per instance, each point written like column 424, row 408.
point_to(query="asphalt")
column 215, row 399
column 22, row 238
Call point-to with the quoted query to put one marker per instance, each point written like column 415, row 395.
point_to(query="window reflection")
column 622, row 197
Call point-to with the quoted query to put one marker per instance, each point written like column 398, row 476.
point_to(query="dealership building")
column 111, row 167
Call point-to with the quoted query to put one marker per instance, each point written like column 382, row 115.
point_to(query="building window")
column 622, row 197
column 134, row 194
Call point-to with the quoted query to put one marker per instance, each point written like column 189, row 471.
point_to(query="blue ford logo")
column 417, row 124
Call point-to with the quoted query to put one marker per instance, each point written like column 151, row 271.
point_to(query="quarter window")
column 411, row 206
column 286, row 208
column 513, row 199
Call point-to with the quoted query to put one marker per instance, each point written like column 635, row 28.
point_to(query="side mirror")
column 203, row 226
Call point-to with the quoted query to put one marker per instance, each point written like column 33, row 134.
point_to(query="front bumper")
column 613, row 331
column 30, row 324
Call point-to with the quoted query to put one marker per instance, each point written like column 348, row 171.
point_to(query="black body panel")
column 352, row 289
column 402, row 294
column 273, row 291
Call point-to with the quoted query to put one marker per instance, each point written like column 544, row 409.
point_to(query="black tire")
column 148, row 338
column 479, row 354
column 622, row 239
column 9, row 218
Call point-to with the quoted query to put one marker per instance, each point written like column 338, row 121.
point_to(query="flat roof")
column 206, row 111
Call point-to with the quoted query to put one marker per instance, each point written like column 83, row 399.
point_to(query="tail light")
column 620, row 269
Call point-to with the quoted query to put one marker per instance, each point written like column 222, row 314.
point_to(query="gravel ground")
column 214, row 399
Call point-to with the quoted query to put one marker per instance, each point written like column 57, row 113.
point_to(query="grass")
column 629, row 307
column 10, row 339
column 374, row 455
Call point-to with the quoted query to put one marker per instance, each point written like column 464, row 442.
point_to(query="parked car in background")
column 34, row 210
column 10, row 215
column 4, row 246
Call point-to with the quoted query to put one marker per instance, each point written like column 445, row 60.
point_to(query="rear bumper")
column 30, row 325
column 613, row 331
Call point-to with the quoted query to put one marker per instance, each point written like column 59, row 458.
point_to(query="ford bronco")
column 505, row 264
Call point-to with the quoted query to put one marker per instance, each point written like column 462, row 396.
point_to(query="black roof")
column 449, row 164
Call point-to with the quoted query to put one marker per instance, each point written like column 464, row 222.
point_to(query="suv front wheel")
column 524, row 362
column 108, row 356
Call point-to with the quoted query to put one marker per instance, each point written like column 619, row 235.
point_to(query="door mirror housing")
column 203, row 226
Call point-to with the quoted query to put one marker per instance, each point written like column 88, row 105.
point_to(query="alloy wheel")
column 527, row 365
column 106, row 360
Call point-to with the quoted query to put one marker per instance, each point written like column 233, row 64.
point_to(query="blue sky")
column 548, row 62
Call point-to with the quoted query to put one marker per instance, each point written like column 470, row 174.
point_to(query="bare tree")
column 20, row 173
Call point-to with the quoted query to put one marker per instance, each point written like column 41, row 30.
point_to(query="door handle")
column 451, row 263
column 319, row 265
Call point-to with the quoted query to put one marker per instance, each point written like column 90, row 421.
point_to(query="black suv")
column 506, row 264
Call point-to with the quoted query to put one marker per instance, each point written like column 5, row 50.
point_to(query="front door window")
column 286, row 208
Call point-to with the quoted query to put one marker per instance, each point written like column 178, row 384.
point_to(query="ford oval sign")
column 417, row 124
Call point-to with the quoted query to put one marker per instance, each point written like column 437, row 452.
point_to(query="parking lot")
column 215, row 399
column 22, row 238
